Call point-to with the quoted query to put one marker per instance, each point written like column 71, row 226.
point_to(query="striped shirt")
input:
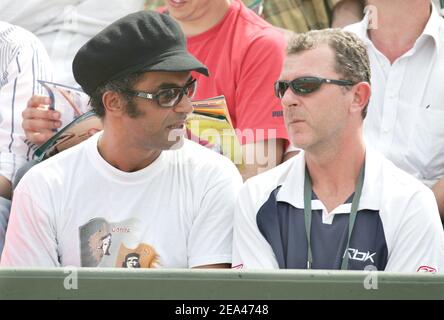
column 23, row 61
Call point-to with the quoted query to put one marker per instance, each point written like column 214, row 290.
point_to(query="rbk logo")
column 354, row 254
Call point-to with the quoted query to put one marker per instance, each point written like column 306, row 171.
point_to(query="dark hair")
column 106, row 236
column 120, row 86
column 129, row 255
column 351, row 58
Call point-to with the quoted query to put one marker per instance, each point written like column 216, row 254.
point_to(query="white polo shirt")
column 406, row 111
column 397, row 227
column 440, row 6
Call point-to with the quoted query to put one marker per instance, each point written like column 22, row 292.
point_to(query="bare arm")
column 438, row 190
column 347, row 12
column 39, row 121
column 261, row 156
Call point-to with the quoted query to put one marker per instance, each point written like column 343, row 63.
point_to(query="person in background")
column 64, row 26
column 300, row 16
column 404, row 120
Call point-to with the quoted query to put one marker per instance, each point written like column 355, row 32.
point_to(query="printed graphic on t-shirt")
column 144, row 256
column 104, row 244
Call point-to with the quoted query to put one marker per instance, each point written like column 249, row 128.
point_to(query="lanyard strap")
column 351, row 220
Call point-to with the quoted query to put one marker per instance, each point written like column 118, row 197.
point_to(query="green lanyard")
column 351, row 221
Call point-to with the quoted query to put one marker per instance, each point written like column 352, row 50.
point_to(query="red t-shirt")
column 244, row 55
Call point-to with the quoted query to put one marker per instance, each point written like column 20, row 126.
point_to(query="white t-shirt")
column 75, row 209
column 397, row 227
column 23, row 61
column 406, row 110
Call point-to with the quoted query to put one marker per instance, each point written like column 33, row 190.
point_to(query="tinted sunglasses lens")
column 305, row 85
column 169, row 97
column 279, row 88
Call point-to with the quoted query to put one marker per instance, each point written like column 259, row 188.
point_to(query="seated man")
column 338, row 204
column 137, row 186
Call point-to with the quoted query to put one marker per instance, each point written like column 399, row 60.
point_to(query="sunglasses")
column 169, row 97
column 305, row 85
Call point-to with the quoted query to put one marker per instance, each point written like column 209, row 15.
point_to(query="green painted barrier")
column 86, row 283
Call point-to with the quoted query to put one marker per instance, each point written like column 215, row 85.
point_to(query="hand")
column 39, row 122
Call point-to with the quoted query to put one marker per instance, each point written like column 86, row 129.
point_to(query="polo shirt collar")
column 371, row 196
column 292, row 188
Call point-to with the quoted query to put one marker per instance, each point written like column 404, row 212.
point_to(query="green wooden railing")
column 175, row 284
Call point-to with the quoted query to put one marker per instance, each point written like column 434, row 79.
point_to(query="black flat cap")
column 141, row 41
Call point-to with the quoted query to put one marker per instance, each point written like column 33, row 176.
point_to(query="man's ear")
column 361, row 96
column 113, row 102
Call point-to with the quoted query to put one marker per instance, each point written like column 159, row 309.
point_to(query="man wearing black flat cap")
column 156, row 194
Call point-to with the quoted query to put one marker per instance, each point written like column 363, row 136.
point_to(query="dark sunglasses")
column 169, row 97
column 305, row 85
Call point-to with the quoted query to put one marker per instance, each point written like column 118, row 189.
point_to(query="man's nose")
column 290, row 99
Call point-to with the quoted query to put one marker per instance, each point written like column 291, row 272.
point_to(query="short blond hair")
column 351, row 58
